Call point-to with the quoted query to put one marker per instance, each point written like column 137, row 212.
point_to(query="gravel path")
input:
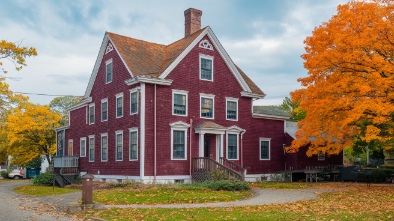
column 260, row 196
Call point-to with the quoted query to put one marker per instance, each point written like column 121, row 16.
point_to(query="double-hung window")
column 104, row 110
column 91, row 113
column 231, row 109
column 108, row 71
column 91, row 148
column 119, row 145
column 264, row 149
column 82, row 147
column 133, row 101
column 133, row 142
column 104, row 147
column 207, row 106
column 179, row 102
column 179, row 140
column 119, row 105
column 206, row 67
column 232, row 146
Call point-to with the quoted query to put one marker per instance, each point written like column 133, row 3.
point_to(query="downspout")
column 190, row 148
column 242, row 153
column 155, row 139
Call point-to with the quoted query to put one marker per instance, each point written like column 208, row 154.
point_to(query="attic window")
column 205, row 44
column 109, row 48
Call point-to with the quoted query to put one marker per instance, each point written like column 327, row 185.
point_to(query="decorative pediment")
column 236, row 129
column 180, row 125
column 205, row 44
column 109, row 48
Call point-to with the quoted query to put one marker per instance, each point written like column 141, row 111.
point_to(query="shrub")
column 230, row 185
column 4, row 174
column 44, row 179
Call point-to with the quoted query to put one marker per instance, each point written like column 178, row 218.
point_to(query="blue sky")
column 264, row 38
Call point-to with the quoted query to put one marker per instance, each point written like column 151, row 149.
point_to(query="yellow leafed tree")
column 30, row 133
column 15, row 53
column 350, row 82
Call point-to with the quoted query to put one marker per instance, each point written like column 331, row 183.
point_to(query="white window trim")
column 134, row 90
column 209, row 96
column 116, row 144
column 105, row 100
column 112, row 73
column 321, row 156
column 269, row 147
column 181, row 92
column 199, row 61
column 116, row 104
column 68, row 146
column 94, row 113
column 232, row 100
column 134, row 129
column 237, row 145
column 94, row 147
column 180, row 126
column 101, row 146
column 82, row 153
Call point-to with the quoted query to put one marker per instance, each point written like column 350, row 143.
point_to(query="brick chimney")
column 192, row 21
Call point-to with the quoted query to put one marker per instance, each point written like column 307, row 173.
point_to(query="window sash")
column 133, row 102
column 91, row 115
column 231, row 110
column 119, row 146
column 178, row 145
column 104, row 111
column 180, row 104
column 82, row 148
column 207, row 107
column 133, row 145
column 264, row 150
column 119, row 106
column 91, row 149
column 104, row 148
column 232, row 145
column 108, row 75
column 206, row 69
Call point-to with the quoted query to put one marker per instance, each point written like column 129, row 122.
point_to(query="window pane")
column 206, row 107
column 178, row 144
column 91, row 115
column 206, row 69
column 232, row 146
column 83, row 148
column 104, row 148
column 91, row 149
column 231, row 110
column 133, row 145
column 264, row 150
column 133, row 103
column 108, row 73
column 119, row 146
column 180, row 104
column 119, row 106
column 104, row 111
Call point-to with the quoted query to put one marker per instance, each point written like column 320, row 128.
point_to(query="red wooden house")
column 154, row 112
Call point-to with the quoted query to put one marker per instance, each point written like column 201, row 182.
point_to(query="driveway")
column 14, row 206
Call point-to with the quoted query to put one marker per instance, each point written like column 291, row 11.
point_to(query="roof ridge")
column 136, row 39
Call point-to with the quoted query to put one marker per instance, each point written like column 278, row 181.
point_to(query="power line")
column 50, row 95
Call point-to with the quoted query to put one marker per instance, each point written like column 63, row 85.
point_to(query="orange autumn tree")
column 30, row 132
column 349, row 91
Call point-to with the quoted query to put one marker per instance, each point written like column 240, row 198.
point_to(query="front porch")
column 65, row 169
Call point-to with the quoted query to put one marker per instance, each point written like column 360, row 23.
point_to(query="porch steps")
column 205, row 168
column 64, row 180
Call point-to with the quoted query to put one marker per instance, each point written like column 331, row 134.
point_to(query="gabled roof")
column 270, row 112
column 157, row 60
column 210, row 125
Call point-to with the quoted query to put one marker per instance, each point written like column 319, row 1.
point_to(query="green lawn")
column 347, row 202
column 43, row 190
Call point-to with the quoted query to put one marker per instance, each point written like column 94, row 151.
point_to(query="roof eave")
column 271, row 117
column 148, row 80
column 252, row 95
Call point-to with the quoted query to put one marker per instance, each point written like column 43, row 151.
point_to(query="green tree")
column 61, row 105
column 293, row 108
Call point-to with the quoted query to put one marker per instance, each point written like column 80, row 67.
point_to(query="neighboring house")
column 156, row 113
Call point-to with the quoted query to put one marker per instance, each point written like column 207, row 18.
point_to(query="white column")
column 142, row 132
column 221, row 145
column 201, row 145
